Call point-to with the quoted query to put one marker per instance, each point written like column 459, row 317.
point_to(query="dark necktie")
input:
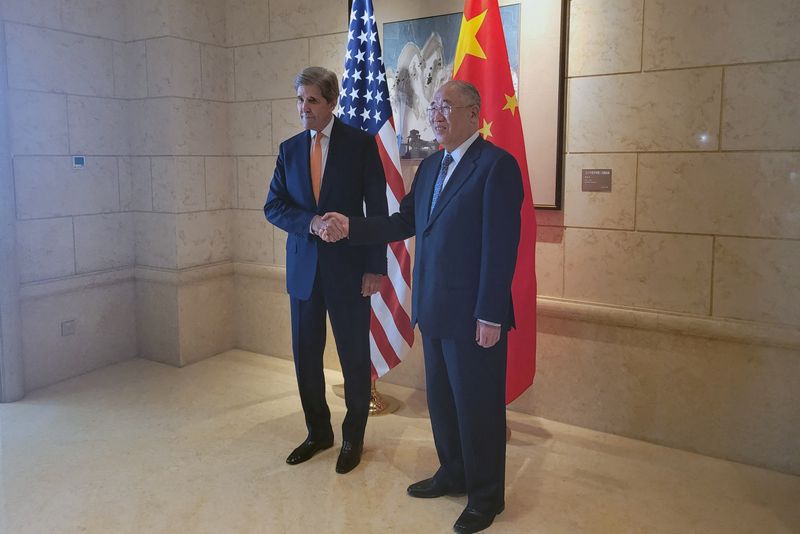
column 437, row 187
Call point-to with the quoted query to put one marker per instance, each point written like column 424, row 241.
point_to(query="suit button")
column 426, row 233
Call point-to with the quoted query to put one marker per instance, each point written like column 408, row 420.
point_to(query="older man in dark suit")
column 328, row 166
column 464, row 208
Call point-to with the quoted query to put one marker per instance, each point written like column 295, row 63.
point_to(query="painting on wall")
column 418, row 55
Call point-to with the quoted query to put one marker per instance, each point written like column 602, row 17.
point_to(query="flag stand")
column 379, row 404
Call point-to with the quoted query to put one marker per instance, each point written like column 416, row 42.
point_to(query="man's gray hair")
column 468, row 91
column 327, row 81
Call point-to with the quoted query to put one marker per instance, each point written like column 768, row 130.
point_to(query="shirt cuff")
column 489, row 323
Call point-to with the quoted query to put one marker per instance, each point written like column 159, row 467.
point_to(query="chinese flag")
column 482, row 59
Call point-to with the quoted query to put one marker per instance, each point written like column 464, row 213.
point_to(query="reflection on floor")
column 141, row 447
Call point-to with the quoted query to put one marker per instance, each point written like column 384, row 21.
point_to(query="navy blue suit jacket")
column 466, row 250
column 353, row 176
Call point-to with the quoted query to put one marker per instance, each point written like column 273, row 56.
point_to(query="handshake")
column 331, row 227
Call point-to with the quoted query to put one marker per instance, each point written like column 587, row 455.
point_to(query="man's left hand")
column 370, row 284
column 487, row 335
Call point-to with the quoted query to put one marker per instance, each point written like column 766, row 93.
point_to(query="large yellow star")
column 511, row 103
column 486, row 131
column 468, row 40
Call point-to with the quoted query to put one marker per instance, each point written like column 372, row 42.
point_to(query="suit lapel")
column 305, row 168
column 460, row 175
column 334, row 161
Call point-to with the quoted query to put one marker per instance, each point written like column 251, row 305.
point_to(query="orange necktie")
column 316, row 165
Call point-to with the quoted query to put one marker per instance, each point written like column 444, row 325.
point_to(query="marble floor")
column 141, row 447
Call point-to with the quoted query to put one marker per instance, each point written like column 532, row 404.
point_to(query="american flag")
column 364, row 103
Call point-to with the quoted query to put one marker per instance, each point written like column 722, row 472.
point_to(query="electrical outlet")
column 68, row 328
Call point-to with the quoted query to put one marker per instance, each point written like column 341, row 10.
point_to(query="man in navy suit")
column 329, row 166
column 464, row 208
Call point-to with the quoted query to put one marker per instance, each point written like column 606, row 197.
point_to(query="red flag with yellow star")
column 482, row 59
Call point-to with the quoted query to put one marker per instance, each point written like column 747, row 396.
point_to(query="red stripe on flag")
column 393, row 177
column 401, row 319
column 379, row 334
column 403, row 259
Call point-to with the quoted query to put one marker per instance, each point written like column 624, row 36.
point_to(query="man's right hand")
column 337, row 226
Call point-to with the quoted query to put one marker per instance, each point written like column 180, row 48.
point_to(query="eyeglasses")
column 444, row 109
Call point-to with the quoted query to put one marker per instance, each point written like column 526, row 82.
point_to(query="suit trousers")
column 349, row 316
column 466, row 386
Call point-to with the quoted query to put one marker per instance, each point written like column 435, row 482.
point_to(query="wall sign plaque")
column 598, row 180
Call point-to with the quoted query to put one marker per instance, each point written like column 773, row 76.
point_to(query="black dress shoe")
column 471, row 520
column 431, row 488
column 307, row 449
column 349, row 457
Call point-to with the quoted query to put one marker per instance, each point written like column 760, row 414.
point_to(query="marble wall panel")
column 220, row 183
column 156, row 243
column 605, row 37
column 300, row 18
column 207, row 330
column 729, row 400
column 54, row 61
column 285, row 122
column 45, row 13
column 135, row 184
column 247, row 22
column 676, row 110
column 204, row 237
column 173, row 68
column 178, row 184
column 550, row 261
column 98, row 126
column 250, row 128
column 103, row 18
column 658, row 271
column 263, row 317
column 45, row 249
column 690, row 33
column 217, row 67
column 743, row 194
column 50, row 187
column 130, row 70
column 37, row 123
column 198, row 20
column 757, row 280
column 105, row 332
column 267, row 71
column 327, row 51
column 104, row 242
column 179, row 126
column 145, row 19
column 253, row 237
column 157, row 321
column 761, row 109
column 615, row 209
column 255, row 175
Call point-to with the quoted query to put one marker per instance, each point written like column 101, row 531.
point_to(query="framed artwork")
column 418, row 55
column 418, row 39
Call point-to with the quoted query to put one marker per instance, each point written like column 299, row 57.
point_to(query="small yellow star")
column 468, row 40
column 486, row 131
column 511, row 103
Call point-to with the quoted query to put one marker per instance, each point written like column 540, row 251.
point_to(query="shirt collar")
column 459, row 152
column 326, row 131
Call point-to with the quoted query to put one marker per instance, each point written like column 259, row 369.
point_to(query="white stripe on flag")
column 377, row 359
column 389, row 139
column 389, row 326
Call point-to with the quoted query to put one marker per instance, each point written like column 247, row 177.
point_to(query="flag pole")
column 380, row 404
